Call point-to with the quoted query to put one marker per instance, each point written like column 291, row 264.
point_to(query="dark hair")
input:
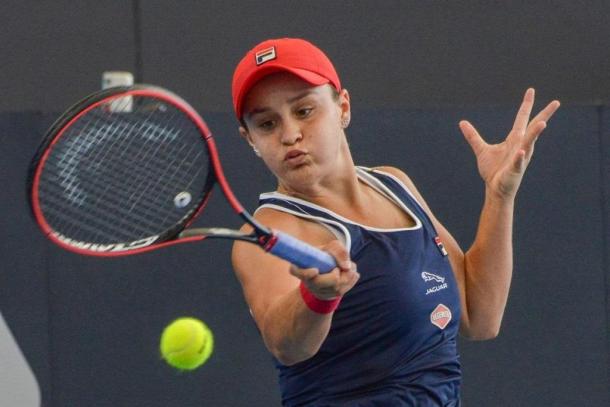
column 335, row 93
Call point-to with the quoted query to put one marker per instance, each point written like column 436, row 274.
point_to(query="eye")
column 266, row 125
column 304, row 112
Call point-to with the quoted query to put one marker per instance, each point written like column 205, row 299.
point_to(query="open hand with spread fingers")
column 502, row 165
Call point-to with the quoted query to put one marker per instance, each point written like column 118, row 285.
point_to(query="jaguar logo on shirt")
column 432, row 277
column 428, row 277
column 441, row 316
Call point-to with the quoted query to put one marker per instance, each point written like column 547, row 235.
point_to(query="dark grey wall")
column 390, row 53
column 90, row 327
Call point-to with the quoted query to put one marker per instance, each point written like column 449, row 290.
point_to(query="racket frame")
column 260, row 235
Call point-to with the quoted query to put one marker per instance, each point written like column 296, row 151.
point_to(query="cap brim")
column 308, row 76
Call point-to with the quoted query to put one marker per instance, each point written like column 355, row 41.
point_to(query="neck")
column 339, row 187
column 353, row 199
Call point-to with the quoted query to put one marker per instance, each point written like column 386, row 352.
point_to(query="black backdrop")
column 90, row 327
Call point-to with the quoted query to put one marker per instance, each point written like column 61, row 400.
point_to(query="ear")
column 345, row 105
column 243, row 132
column 246, row 135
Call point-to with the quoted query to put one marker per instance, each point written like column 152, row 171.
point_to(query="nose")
column 291, row 132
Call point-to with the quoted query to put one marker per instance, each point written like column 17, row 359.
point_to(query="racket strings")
column 133, row 200
column 90, row 134
column 115, row 176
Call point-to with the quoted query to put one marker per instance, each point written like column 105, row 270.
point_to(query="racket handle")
column 300, row 253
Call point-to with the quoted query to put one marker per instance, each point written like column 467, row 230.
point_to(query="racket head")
column 122, row 171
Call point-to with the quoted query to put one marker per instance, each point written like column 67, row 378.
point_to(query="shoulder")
column 307, row 230
column 263, row 276
column 280, row 220
column 402, row 177
column 399, row 174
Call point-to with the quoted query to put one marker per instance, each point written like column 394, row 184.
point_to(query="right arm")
column 291, row 331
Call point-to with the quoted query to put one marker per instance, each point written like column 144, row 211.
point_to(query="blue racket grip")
column 300, row 253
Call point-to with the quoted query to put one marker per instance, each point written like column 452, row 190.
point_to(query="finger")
column 523, row 115
column 354, row 276
column 351, row 274
column 532, row 135
column 344, row 282
column 303, row 274
column 340, row 254
column 472, row 136
column 548, row 112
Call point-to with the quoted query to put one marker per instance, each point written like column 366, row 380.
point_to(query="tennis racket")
column 126, row 170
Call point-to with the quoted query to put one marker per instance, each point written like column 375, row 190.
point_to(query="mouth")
column 295, row 156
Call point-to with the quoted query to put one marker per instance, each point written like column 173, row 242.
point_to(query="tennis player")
column 380, row 329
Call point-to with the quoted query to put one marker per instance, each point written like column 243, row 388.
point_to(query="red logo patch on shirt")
column 441, row 246
column 440, row 316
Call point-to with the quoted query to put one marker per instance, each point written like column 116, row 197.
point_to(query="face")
column 296, row 127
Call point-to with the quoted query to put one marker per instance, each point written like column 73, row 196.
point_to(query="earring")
column 345, row 123
column 258, row 153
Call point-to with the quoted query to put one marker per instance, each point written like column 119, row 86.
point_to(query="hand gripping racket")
column 127, row 169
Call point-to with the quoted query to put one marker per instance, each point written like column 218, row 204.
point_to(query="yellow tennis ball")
column 186, row 343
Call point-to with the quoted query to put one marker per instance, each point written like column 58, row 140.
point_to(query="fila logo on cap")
column 265, row 55
column 440, row 316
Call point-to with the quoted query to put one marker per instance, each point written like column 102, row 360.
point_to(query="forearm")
column 292, row 332
column 488, row 267
column 293, row 321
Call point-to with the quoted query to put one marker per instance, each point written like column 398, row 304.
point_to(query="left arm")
column 484, row 272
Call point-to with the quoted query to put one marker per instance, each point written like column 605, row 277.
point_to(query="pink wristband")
column 317, row 305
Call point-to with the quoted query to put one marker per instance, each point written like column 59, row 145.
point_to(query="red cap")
column 294, row 55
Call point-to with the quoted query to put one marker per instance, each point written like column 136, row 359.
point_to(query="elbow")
column 481, row 326
column 291, row 357
column 287, row 352
column 481, row 333
column 287, row 360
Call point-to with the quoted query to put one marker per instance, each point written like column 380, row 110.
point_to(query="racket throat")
column 263, row 234
column 218, row 233
column 267, row 241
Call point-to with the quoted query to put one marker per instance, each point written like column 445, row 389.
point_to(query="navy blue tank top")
column 392, row 340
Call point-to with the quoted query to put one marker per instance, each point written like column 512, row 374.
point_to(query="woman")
column 381, row 328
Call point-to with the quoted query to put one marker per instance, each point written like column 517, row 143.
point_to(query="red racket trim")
column 220, row 177
column 123, row 253
column 35, row 206
column 207, row 135
column 213, row 151
column 173, row 100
